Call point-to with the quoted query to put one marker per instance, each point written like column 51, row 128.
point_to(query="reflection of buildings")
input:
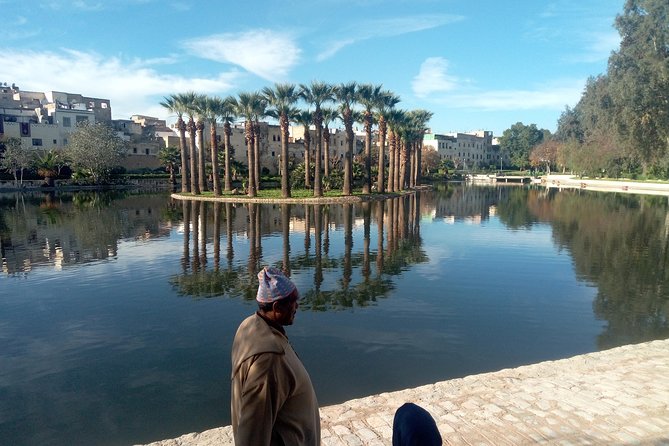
column 471, row 204
column 56, row 231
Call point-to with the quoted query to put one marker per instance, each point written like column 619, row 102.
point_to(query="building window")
column 37, row 141
column 55, row 141
column 146, row 151
column 134, row 150
column 81, row 119
column 272, row 153
column 67, row 121
column 64, row 141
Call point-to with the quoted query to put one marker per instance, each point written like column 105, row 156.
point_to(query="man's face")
column 285, row 310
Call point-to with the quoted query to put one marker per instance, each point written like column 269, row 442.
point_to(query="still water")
column 117, row 310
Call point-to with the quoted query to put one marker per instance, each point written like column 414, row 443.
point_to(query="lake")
column 118, row 309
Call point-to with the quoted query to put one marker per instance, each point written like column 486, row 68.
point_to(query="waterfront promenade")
column 615, row 397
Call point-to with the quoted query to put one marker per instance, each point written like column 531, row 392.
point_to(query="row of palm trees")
column 353, row 102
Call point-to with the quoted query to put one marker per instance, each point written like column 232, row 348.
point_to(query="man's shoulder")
column 254, row 336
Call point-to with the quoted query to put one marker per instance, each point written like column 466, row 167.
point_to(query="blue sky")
column 476, row 64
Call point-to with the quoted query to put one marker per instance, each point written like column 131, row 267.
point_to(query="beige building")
column 466, row 150
column 43, row 121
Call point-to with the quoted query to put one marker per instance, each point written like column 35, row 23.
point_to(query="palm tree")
column 186, row 101
column 259, row 111
column 304, row 118
column 245, row 108
column 316, row 94
column 329, row 115
column 227, row 112
column 387, row 100
column 418, row 121
column 173, row 104
column 396, row 121
column 368, row 96
column 199, row 106
column 281, row 99
column 346, row 95
column 213, row 107
column 169, row 157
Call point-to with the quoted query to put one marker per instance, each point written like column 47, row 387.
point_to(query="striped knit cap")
column 273, row 285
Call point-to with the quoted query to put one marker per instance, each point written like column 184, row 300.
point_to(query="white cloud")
column 433, row 78
column 371, row 29
column 266, row 53
column 597, row 46
column 434, row 84
column 132, row 87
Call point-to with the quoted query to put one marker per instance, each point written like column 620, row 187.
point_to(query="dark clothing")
column 414, row 426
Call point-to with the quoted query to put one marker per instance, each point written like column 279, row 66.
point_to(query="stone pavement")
column 614, row 397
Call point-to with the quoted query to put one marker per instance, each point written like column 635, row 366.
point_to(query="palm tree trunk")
column 194, row 186
column 251, row 159
column 380, row 184
column 367, row 183
column 307, row 156
column 347, row 188
column 285, row 183
column 391, row 162
column 398, row 162
column 228, row 177
column 256, row 154
column 215, row 165
column 181, row 126
column 403, row 165
column 318, row 185
column 201, row 155
column 326, row 151
column 419, row 160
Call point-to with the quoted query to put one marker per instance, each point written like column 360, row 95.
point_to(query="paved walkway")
column 615, row 397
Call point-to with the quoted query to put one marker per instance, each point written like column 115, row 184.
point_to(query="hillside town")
column 44, row 120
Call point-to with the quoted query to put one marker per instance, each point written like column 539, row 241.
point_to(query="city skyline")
column 476, row 66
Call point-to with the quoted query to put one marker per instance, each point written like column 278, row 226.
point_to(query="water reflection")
column 314, row 223
column 59, row 231
column 119, row 309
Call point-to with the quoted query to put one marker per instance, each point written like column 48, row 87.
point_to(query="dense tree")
column 518, row 141
column 639, row 73
column 95, row 149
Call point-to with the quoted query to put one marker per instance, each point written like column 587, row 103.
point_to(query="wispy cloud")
column 132, row 86
column 372, row 29
column 597, row 47
column 433, row 78
column 435, row 84
column 265, row 53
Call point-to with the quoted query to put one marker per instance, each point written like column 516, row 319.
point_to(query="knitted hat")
column 273, row 285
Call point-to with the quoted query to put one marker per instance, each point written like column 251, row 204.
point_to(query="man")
column 273, row 400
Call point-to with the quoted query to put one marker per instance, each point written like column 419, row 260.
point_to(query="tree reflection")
column 238, row 278
column 621, row 244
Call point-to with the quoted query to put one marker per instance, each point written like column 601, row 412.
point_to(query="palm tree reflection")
column 334, row 254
